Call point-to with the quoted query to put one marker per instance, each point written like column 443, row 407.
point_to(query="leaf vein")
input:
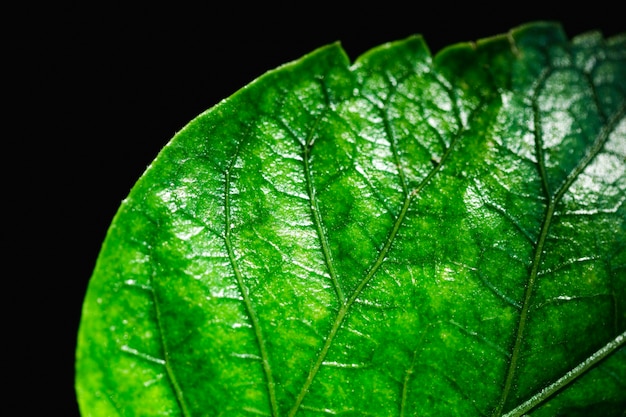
column 347, row 304
column 307, row 146
column 569, row 377
column 552, row 202
column 267, row 370
column 178, row 393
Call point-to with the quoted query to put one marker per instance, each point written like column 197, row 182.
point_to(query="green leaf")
column 404, row 235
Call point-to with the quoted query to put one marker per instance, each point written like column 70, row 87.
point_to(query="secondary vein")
column 271, row 389
column 345, row 307
column 569, row 377
column 315, row 210
column 178, row 392
column 347, row 304
column 552, row 202
column 395, row 152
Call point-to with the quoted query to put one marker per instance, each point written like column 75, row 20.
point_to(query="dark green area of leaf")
column 598, row 409
column 404, row 235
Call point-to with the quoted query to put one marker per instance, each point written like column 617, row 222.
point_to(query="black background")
column 94, row 92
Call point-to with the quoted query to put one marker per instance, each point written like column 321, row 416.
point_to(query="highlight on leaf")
column 405, row 234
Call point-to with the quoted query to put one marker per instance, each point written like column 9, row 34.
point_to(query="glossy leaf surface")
column 404, row 235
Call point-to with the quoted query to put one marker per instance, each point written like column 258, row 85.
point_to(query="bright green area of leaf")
column 405, row 235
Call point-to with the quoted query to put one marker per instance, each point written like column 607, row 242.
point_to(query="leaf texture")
column 404, row 235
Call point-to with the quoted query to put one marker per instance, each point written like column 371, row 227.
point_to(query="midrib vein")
column 552, row 202
column 251, row 312
column 349, row 301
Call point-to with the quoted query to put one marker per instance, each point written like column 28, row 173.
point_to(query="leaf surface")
column 399, row 236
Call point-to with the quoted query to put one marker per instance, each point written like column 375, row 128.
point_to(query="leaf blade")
column 326, row 232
